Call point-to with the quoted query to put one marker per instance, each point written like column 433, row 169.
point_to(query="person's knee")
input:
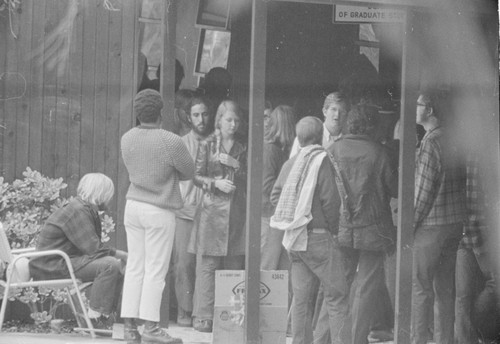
column 110, row 266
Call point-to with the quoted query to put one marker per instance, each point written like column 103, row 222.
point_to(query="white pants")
column 150, row 236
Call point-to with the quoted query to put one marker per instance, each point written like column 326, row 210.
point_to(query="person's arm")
column 427, row 176
column 240, row 174
column 280, row 182
column 201, row 178
column 329, row 195
column 389, row 175
column 295, row 148
column 272, row 163
column 182, row 160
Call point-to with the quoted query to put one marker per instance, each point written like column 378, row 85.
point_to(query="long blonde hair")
column 281, row 127
column 95, row 188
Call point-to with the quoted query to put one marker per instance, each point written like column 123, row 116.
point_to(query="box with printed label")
column 228, row 325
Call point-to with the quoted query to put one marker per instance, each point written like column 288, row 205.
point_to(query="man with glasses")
column 438, row 223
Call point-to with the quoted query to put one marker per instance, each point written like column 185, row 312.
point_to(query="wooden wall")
column 67, row 122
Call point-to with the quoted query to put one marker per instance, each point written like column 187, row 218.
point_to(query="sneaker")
column 183, row 318
column 203, row 325
column 158, row 335
column 380, row 336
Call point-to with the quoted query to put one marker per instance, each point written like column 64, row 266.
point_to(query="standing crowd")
column 326, row 217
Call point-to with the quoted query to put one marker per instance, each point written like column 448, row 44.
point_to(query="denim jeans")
column 434, row 258
column 322, row 261
column 184, row 265
column 273, row 255
column 150, row 237
column 106, row 289
column 204, row 288
column 471, row 278
column 366, row 268
column 371, row 306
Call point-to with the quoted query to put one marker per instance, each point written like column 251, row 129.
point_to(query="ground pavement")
column 188, row 335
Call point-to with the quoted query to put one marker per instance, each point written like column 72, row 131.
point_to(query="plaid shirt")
column 439, row 186
column 74, row 229
column 475, row 222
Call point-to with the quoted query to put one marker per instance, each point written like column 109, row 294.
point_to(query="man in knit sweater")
column 155, row 160
column 201, row 120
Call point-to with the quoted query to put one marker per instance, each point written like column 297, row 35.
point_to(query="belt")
column 318, row 230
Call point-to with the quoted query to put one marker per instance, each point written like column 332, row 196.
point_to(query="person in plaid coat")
column 76, row 230
column 439, row 219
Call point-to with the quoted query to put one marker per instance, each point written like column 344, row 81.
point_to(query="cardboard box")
column 228, row 326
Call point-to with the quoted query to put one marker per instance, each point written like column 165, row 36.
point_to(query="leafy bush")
column 24, row 206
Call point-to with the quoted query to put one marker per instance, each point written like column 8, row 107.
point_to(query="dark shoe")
column 131, row 334
column 380, row 336
column 157, row 335
column 184, row 318
column 103, row 325
column 203, row 325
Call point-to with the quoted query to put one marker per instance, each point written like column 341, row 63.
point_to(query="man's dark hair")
column 201, row 99
column 357, row 120
column 183, row 99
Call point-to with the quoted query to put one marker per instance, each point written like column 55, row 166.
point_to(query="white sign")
column 359, row 14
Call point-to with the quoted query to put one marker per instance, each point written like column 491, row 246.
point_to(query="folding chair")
column 18, row 277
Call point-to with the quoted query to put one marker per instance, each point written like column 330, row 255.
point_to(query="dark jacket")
column 273, row 159
column 326, row 200
column 74, row 229
column 219, row 228
column 370, row 181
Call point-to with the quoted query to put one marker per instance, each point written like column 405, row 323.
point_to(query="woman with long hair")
column 218, row 236
column 278, row 140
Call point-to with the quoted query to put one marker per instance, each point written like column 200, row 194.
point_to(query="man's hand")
column 225, row 185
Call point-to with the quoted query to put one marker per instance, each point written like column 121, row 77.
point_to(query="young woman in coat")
column 219, row 232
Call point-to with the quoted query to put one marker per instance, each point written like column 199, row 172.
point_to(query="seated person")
column 76, row 230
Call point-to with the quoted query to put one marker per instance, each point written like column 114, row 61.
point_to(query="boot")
column 183, row 318
column 154, row 334
column 131, row 334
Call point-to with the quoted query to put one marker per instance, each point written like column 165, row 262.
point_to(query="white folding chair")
column 18, row 277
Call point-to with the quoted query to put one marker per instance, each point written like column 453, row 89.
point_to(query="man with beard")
column 200, row 118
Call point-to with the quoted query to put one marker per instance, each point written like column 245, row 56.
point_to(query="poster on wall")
column 213, row 14
column 213, row 50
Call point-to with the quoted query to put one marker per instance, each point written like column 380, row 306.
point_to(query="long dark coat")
column 219, row 228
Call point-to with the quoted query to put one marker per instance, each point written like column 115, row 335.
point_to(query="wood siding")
column 67, row 121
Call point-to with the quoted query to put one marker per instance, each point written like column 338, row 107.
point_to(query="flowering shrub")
column 24, row 206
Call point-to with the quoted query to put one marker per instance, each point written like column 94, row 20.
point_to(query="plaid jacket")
column 74, row 229
column 439, row 183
